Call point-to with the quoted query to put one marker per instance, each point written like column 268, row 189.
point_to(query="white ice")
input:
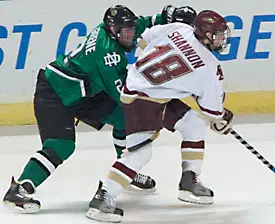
column 244, row 187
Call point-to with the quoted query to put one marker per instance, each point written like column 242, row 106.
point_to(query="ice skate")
column 18, row 197
column 142, row 184
column 191, row 189
column 102, row 207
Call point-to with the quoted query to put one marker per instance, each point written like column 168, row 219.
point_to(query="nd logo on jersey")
column 112, row 59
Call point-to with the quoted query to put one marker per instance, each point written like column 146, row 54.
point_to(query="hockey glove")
column 185, row 14
column 224, row 125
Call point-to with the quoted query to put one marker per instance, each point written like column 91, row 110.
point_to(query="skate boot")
column 102, row 207
column 18, row 197
column 192, row 191
column 142, row 184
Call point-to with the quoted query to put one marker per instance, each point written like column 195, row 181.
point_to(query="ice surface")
column 244, row 188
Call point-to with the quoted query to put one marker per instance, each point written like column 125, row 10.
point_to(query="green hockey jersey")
column 97, row 64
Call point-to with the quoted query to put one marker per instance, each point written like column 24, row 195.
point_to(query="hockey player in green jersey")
column 84, row 84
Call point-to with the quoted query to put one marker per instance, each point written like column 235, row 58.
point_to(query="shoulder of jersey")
column 207, row 54
column 204, row 52
column 178, row 25
column 104, row 42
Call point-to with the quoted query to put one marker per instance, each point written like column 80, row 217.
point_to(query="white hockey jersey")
column 174, row 65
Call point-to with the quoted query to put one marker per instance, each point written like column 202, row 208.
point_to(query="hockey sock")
column 192, row 154
column 42, row 164
column 119, row 139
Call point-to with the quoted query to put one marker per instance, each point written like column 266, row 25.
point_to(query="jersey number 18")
column 170, row 67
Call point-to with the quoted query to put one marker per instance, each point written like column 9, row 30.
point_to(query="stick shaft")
column 253, row 150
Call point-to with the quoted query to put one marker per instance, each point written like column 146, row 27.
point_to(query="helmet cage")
column 219, row 40
column 121, row 22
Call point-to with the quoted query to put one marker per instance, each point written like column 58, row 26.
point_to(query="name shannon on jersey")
column 186, row 49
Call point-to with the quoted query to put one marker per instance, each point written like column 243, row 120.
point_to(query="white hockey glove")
column 224, row 125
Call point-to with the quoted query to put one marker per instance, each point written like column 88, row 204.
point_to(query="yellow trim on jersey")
column 127, row 99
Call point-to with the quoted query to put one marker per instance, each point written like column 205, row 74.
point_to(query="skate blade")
column 28, row 208
column 98, row 215
column 134, row 189
column 189, row 197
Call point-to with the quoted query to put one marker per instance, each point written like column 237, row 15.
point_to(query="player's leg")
column 56, row 127
column 143, row 120
column 141, row 183
column 192, row 127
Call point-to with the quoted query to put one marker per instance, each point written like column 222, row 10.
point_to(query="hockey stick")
column 251, row 149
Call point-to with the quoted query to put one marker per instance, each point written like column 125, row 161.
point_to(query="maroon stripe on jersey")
column 124, row 169
column 223, row 98
column 213, row 112
column 192, row 145
column 127, row 91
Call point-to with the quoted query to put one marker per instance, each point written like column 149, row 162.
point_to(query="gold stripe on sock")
column 119, row 179
column 192, row 155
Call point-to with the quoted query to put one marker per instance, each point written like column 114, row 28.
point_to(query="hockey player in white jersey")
column 177, row 62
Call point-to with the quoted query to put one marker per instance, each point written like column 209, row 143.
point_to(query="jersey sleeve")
column 147, row 22
column 152, row 33
column 212, row 98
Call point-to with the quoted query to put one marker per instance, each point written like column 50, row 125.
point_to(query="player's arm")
column 211, row 103
column 148, row 21
column 211, row 99
column 154, row 32
column 169, row 14
column 184, row 14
